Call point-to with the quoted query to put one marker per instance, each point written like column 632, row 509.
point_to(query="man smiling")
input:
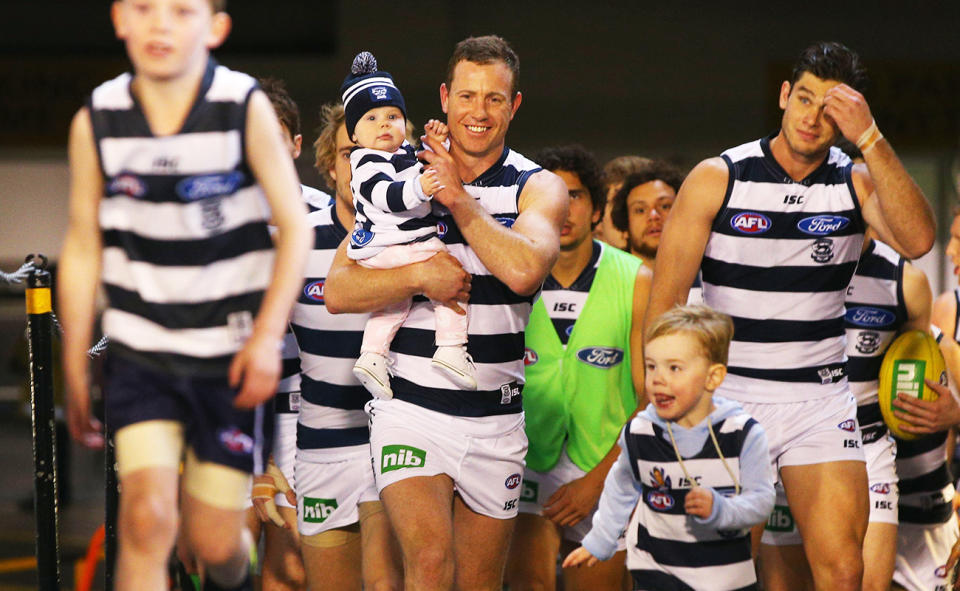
column 448, row 462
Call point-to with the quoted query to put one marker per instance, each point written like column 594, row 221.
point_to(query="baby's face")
column 383, row 128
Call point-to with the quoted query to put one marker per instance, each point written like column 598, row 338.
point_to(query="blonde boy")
column 166, row 207
column 698, row 465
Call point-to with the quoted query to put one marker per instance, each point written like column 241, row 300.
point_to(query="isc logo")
column 750, row 222
column 318, row 510
column 909, row 374
column 395, row 457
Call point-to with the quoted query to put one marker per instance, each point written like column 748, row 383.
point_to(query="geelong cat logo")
column 602, row 357
column 360, row 237
column 750, row 222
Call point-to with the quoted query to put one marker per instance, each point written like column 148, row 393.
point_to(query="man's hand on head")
column 849, row 110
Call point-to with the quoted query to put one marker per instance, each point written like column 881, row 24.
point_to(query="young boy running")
column 698, row 466
column 166, row 207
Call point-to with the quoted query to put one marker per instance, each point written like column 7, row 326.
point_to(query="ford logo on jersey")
column 209, row 185
column 869, row 317
column 314, row 291
column 530, row 356
column 750, row 222
column 602, row 357
column 822, row 225
column 508, row 222
column 660, row 500
column 360, row 237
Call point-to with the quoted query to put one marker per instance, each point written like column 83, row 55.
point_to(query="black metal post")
column 110, row 521
column 39, row 330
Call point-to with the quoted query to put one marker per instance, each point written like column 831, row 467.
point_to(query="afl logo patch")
column 750, row 222
column 512, row 481
column 869, row 317
column 882, row 488
column 660, row 500
column 941, row 572
column 508, row 222
column 209, row 185
column 441, row 229
column 360, row 237
column 236, row 441
column 314, row 291
column 822, row 225
column 848, row 425
column 602, row 357
column 530, row 356
column 127, row 184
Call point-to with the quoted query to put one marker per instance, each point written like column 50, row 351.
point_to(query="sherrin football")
column 910, row 358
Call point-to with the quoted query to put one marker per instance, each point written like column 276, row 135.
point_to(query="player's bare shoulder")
column 705, row 187
column 546, row 191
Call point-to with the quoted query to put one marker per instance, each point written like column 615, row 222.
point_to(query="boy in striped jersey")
column 694, row 468
column 776, row 227
column 167, row 166
column 395, row 225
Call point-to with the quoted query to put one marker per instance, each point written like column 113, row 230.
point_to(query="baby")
column 394, row 224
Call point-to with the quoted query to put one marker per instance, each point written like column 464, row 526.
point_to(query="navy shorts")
column 215, row 430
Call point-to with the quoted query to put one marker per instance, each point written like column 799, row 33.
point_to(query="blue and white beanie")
column 365, row 88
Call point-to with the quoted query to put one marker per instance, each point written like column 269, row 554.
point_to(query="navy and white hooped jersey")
column 666, row 545
column 315, row 198
column 498, row 316
column 564, row 304
column 331, row 398
column 778, row 260
column 875, row 313
column 186, row 250
column 391, row 206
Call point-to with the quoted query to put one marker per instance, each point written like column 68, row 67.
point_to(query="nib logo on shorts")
column 317, row 510
column 395, row 457
column 780, row 519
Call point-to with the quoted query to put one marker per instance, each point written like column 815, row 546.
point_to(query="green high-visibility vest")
column 582, row 393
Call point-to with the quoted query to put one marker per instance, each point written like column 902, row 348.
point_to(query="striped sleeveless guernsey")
column 926, row 485
column 666, row 548
column 498, row 316
column 778, row 260
column 875, row 311
column 186, row 251
column 564, row 304
column 331, row 398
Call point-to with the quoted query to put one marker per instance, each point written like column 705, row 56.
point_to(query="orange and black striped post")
column 40, row 335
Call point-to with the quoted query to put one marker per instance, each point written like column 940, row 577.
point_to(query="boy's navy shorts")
column 217, row 431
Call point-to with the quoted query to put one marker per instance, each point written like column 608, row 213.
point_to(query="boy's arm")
column 755, row 501
column 519, row 256
column 78, row 277
column 620, row 496
column 257, row 365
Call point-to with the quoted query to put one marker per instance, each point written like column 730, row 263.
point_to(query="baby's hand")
column 699, row 502
column 429, row 182
column 436, row 129
column 579, row 556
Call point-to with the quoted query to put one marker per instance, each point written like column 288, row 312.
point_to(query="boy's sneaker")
column 457, row 364
column 374, row 371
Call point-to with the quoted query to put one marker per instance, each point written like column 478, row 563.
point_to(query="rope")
column 716, row 445
column 19, row 275
column 22, row 273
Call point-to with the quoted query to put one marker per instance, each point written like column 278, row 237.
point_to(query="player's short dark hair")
column 287, row 110
column 486, row 50
column 654, row 170
column 576, row 159
column 829, row 60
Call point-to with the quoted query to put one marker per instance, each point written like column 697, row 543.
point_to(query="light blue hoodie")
column 621, row 491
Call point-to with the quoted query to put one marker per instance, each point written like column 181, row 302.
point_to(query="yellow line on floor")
column 13, row 565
